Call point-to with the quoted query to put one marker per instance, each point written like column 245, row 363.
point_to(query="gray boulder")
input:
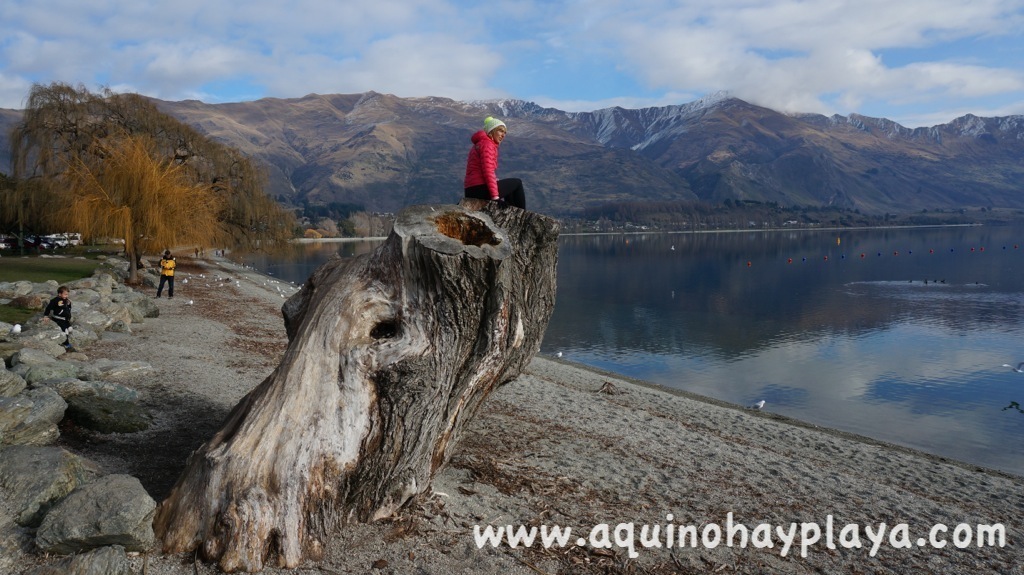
column 107, row 415
column 120, row 326
column 101, row 406
column 55, row 370
column 133, row 303
column 5, row 329
column 103, row 369
column 112, row 510
column 13, row 411
column 83, row 335
column 84, row 283
column 45, row 337
column 31, row 417
column 45, row 288
column 116, row 311
column 7, row 351
column 11, row 384
column 85, row 297
column 106, row 284
column 13, row 542
column 31, row 357
column 35, row 478
column 110, row 560
column 30, row 301
column 116, row 267
column 142, row 305
column 71, row 387
column 102, row 283
column 94, row 319
column 10, row 290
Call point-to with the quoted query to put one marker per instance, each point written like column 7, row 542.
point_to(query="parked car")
column 57, row 240
column 38, row 242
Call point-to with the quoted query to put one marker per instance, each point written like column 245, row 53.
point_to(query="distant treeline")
column 337, row 211
column 733, row 214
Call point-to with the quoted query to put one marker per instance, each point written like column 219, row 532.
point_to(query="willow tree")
column 64, row 126
column 133, row 194
column 25, row 208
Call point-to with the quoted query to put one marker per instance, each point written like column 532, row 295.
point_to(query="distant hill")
column 384, row 152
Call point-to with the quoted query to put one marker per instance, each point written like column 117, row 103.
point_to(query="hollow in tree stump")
column 390, row 354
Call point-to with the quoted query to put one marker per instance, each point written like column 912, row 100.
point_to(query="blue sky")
column 918, row 62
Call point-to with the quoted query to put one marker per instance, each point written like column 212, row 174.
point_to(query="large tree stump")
column 390, row 354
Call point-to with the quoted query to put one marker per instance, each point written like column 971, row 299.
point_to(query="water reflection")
column 296, row 262
column 895, row 334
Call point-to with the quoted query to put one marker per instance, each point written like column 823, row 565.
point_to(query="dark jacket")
column 59, row 310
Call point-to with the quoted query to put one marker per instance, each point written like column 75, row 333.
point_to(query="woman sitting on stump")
column 482, row 168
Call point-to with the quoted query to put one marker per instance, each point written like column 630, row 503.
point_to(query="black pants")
column 509, row 189
column 64, row 325
column 169, row 280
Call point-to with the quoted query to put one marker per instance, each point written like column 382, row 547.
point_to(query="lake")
column 896, row 334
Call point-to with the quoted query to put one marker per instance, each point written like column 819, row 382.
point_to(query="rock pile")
column 51, row 500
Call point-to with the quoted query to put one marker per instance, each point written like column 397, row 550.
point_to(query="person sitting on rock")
column 59, row 312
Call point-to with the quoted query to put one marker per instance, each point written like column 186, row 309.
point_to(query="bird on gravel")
column 16, row 329
column 758, row 405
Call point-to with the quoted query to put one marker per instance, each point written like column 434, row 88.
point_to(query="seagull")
column 1018, row 369
column 16, row 329
column 189, row 302
column 559, row 354
column 758, row 405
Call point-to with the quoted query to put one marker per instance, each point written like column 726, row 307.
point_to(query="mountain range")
column 381, row 152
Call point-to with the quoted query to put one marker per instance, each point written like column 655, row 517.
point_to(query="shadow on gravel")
column 157, row 455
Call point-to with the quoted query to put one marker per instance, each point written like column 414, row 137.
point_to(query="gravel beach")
column 650, row 480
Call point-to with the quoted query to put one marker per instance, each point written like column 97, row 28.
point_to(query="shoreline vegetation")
column 574, row 447
column 639, row 230
column 680, row 217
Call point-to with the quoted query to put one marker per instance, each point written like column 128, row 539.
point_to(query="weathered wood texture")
column 389, row 355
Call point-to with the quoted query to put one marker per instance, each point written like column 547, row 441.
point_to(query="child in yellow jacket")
column 166, row 274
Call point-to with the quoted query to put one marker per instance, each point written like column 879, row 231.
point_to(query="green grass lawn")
column 35, row 269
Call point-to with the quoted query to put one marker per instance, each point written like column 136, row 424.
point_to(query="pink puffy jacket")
column 482, row 164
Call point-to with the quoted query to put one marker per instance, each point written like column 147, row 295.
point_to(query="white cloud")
column 791, row 55
column 917, row 57
column 13, row 90
column 407, row 65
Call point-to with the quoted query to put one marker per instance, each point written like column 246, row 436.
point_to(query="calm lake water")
column 896, row 334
